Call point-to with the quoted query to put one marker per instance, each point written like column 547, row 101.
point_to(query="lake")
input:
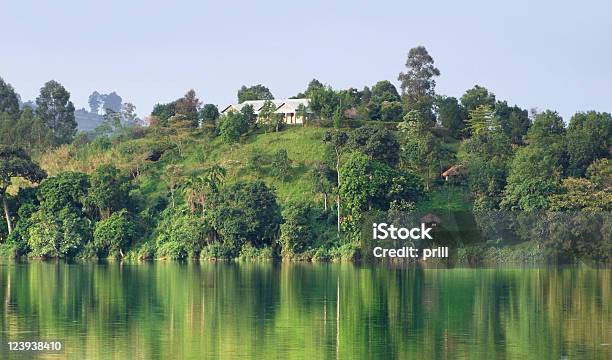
column 305, row 311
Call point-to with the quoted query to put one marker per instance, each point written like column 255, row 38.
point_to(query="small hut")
column 453, row 172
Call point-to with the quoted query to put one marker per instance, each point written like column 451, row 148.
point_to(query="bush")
column 250, row 252
column 298, row 232
column 113, row 235
column 218, row 251
column 180, row 233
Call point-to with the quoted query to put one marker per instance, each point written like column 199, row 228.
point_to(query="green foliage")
column 298, row 230
column 65, row 190
column 581, row 194
column 476, row 97
column 60, row 234
column 115, row 234
column 55, row 109
column 188, row 106
column 181, row 233
column 255, row 92
column 246, row 212
column 589, row 137
column 162, row 112
column 9, row 101
column 232, row 126
column 600, row 173
column 514, row 121
column 15, row 163
column 418, row 82
column 370, row 184
column 481, row 120
column 451, row 115
column 109, row 190
column 533, row 177
column 209, row 114
column 281, row 165
column 486, row 159
column 375, row 142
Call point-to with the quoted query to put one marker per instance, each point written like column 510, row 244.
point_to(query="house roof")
column 282, row 105
column 453, row 170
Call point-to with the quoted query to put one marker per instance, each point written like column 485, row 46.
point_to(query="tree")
column 188, row 106
column 451, row 115
column 128, row 113
column 600, row 173
column 162, row 112
column 111, row 101
column 94, row 101
column 302, row 112
column 232, row 126
column 9, row 100
column 418, row 83
column 246, row 212
column 514, row 121
column 114, row 234
column 486, row 158
column 59, row 226
column 481, row 120
column 109, row 191
column 548, row 134
column 324, row 102
column 268, row 116
column 209, row 114
column 323, row 179
column 199, row 189
column 173, row 177
column 372, row 185
column 15, row 163
column 298, row 230
column 255, row 92
column 248, row 113
column 337, row 141
column 476, row 97
column 56, row 110
column 281, row 164
column 589, row 137
column 391, row 111
column 377, row 143
column 533, row 177
column 421, row 149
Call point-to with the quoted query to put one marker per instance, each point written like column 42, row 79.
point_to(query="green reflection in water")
column 308, row 311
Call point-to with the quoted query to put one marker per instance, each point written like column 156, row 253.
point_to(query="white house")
column 287, row 107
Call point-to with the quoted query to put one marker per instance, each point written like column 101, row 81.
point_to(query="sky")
column 537, row 54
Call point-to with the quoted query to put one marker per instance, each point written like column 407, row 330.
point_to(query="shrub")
column 114, row 234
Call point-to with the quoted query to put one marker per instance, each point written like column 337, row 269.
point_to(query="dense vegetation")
column 194, row 184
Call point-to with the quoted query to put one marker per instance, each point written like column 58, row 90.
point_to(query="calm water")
column 306, row 311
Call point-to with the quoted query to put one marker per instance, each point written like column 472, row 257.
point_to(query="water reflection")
column 169, row 310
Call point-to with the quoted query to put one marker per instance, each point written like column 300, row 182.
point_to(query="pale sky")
column 551, row 54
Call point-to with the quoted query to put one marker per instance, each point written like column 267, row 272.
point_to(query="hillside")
column 196, row 152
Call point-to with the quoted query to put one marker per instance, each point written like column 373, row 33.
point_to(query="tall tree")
column 188, row 106
column 451, row 115
column 209, row 114
column 9, row 101
column 56, row 110
column 255, row 92
column 477, row 96
column 589, row 137
column 15, row 163
column 95, row 101
column 337, row 141
column 418, row 83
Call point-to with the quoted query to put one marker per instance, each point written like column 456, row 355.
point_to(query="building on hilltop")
column 287, row 107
